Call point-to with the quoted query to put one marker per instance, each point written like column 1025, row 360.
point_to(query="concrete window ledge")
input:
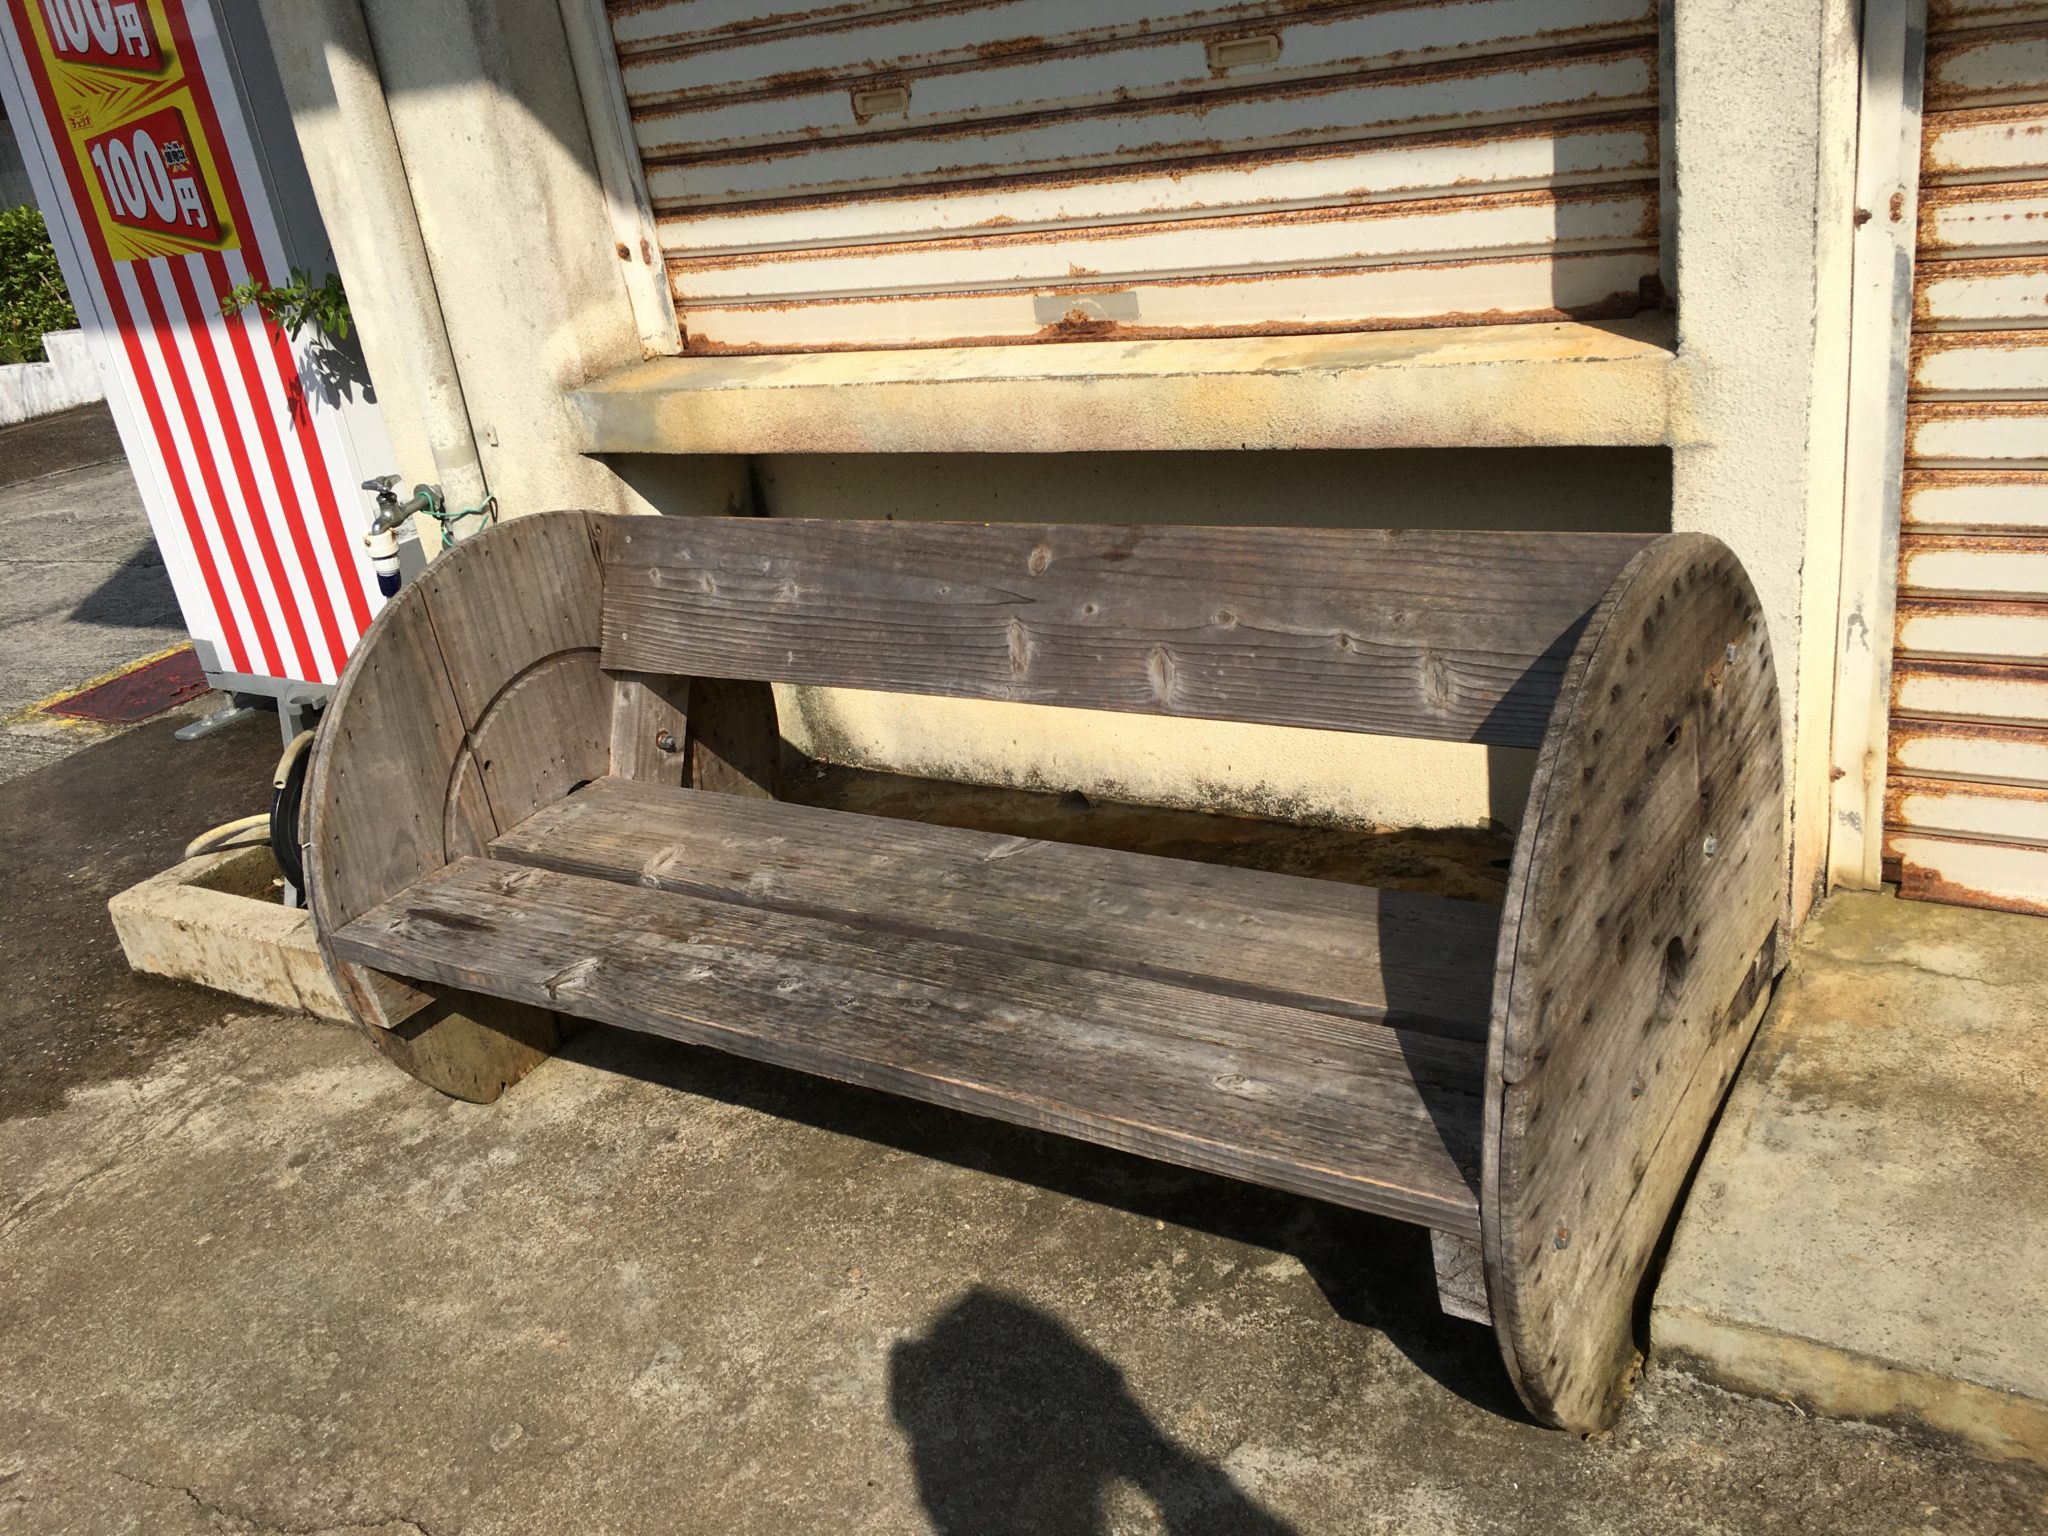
column 1491, row 386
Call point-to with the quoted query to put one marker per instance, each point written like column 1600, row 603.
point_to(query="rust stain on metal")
column 1962, row 670
column 1972, row 543
column 1899, row 788
column 1027, row 48
column 2023, row 123
column 827, row 21
column 1933, row 479
column 1945, row 92
column 1922, row 882
column 1929, row 344
column 1922, row 411
column 1224, row 160
column 1582, row 76
column 1196, row 103
column 1983, row 733
column 878, row 98
column 1643, row 229
column 1966, row 269
column 2018, row 226
column 1919, row 605
column 1615, row 306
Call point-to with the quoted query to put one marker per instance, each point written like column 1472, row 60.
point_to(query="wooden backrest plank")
column 1448, row 635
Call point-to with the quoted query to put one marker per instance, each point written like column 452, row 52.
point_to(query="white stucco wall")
column 499, row 167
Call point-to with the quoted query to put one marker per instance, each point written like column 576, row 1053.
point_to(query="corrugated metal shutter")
column 907, row 173
column 1966, row 805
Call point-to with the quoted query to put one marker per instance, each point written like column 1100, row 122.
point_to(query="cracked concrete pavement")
column 254, row 1280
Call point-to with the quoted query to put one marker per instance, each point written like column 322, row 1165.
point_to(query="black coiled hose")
column 288, row 788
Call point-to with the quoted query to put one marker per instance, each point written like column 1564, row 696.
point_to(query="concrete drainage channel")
column 216, row 920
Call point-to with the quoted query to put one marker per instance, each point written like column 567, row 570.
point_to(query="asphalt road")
column 82, row 587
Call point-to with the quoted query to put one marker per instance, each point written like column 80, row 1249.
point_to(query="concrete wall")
column 65, row 378
column 499, row 167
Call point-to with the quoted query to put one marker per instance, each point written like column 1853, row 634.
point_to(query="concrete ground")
column 253, row 1279
column 82, row 587
column 1869, row 1230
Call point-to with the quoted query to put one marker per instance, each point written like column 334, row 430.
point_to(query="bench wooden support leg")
column 1460, row 1277
column 474, row 699
column 650, row 728
column 735, row 742
column 1637, row 939
column 473, row 1047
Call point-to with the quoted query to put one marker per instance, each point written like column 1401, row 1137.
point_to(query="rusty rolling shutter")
column 912, row 173
column 1966, row 804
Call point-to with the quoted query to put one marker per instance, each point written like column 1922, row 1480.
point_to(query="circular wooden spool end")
column 1637, row 941
column 473, row 700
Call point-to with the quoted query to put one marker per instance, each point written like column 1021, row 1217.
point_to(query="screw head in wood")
column 665, row 740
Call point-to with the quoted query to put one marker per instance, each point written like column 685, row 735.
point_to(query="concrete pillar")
column 489, row 147
column 1764, row 132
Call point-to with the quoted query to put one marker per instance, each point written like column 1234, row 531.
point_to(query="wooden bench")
column 506, row 828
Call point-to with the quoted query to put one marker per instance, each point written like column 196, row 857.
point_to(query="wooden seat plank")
column 1360, row 1114
column 1407, row 958
column 1450, row 635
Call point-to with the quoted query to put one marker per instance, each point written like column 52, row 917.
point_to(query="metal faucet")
column 391, row 511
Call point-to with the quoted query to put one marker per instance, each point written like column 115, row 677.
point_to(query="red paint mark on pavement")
column 148, row 690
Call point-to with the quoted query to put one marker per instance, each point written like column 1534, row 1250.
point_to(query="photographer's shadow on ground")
column 1016, row 1426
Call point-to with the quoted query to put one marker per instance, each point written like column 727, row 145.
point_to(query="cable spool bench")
column 515, row 817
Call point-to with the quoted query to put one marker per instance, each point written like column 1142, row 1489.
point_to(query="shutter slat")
column 871, row 175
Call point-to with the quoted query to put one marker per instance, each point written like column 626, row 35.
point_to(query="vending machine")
column 160, row 147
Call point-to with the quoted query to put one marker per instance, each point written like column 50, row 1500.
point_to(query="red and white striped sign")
column 249, row 481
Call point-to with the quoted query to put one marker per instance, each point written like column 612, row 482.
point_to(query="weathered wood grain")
column 650, row 726
column 735, row 740
column 382, row 764
column 523, row 590
column 1460, row 1277
column 469, row 1046
column 1459, row 636
column 450, row 721
column 1370, row 1117
column 1637, row 938
column 1349, row 950
column 382, row 799
column 545, row 735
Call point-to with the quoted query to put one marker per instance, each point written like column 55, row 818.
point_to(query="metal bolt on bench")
column 1531, row 1083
